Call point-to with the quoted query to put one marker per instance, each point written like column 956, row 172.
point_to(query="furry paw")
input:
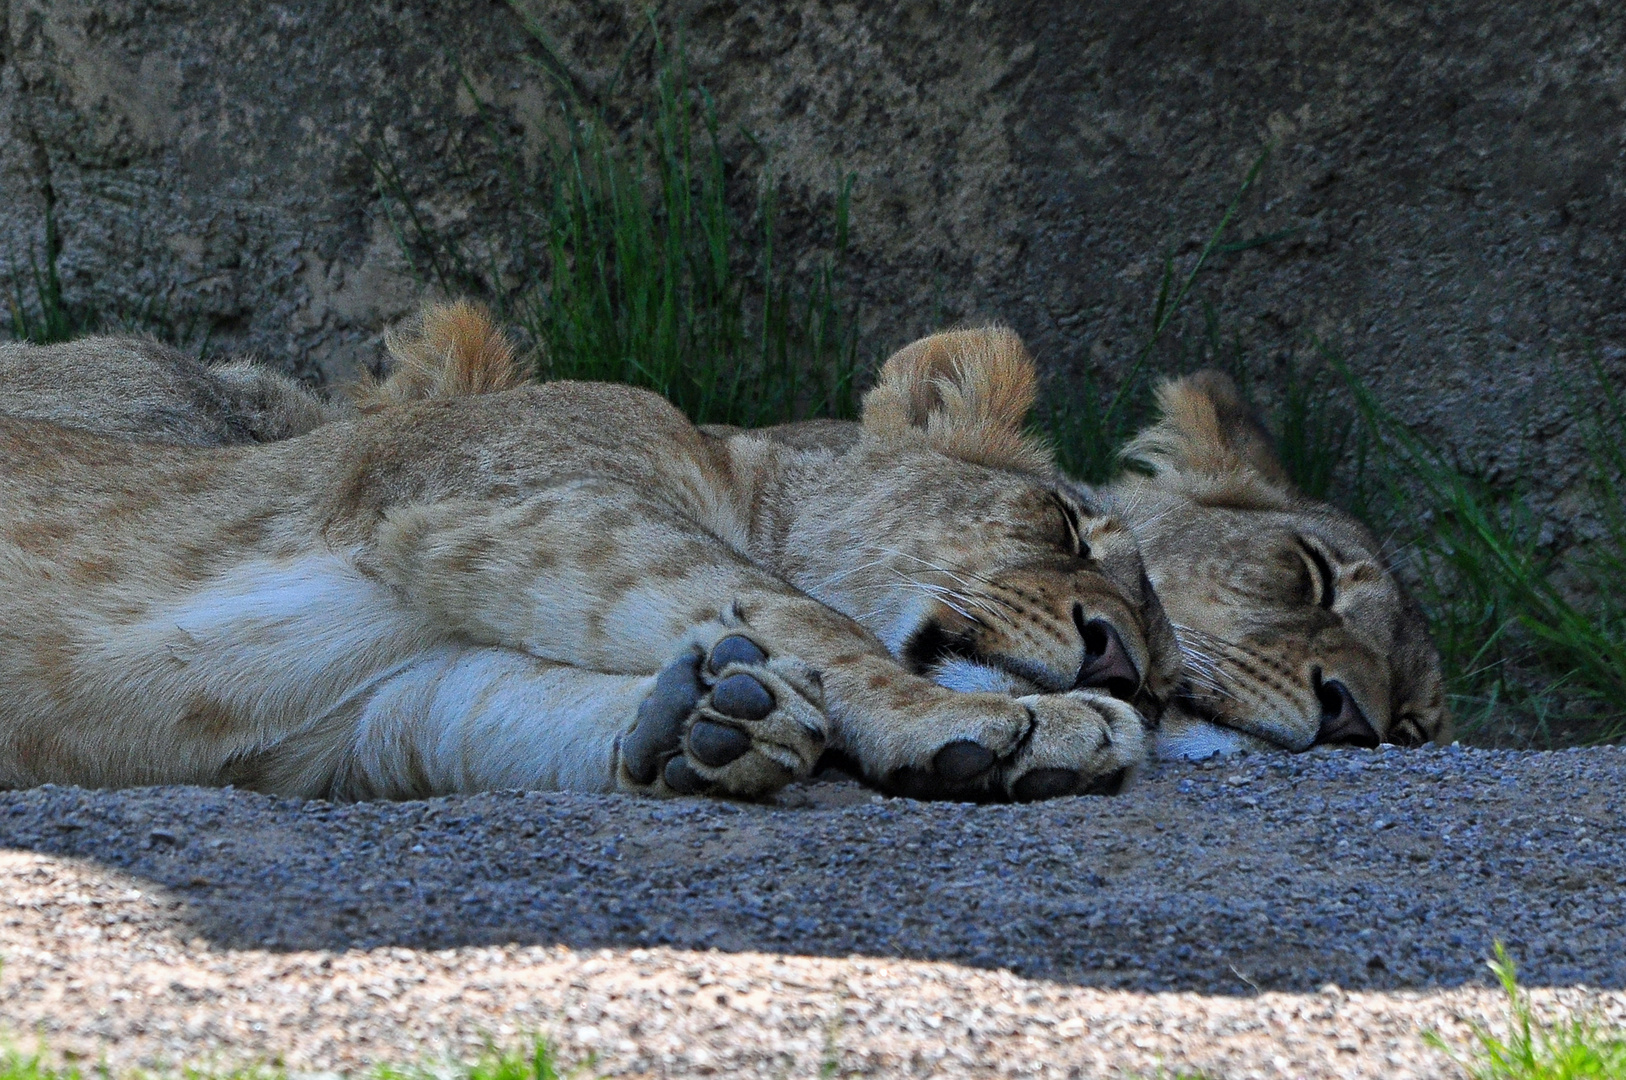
column 1077, row 743
column 725, row 720
column 1084, row 743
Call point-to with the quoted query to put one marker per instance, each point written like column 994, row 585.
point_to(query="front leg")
column 723, row 717
column 910, row 736
column 592, row 574
column 603, row 583
column 597, row 576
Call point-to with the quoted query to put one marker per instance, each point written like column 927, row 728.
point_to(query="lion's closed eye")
column 1317, row 582
column 1072, row 532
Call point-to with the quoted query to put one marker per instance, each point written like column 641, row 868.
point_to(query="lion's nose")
column 1107, row 665
column 1342, row 722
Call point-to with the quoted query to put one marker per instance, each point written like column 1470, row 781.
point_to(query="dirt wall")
column 1448, row 181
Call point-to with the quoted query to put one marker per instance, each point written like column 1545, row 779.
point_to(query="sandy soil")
column 1307, row 916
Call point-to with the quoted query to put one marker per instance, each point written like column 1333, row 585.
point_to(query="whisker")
column 1213, row 689
column 1206, row 637
column 924, row 586
column 940, row 569
column 1203, row 663
column 976, row 600
column 1207, row 676
column 1151, row 522
column 842, row 575
column 951, row 599
column 948, row 596
column 970, row 590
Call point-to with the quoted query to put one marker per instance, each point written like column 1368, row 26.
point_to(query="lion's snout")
column 1026, row 639
column 1107, row 664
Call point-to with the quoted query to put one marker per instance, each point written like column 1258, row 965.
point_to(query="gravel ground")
column 1270, row 916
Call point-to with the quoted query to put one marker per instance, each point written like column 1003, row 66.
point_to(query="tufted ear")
column 1208, row 430
column 969, row 391
column 450, row 350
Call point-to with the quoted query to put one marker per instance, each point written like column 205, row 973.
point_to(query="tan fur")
column 1213, row 439
column 1231, row 547
column 148, row 390
column 926, row 384
column 141, row 388
column 451, row 350
column 1217, row 503
column 477, row 590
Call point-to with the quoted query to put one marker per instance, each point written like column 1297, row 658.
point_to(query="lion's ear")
column 450, row 350
column 1208, row 429
column 969, row 391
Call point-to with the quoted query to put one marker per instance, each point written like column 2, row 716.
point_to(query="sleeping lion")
column 1294, row 632
column 560, row 586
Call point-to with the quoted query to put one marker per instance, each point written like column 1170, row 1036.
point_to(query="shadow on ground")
column 1382, row 869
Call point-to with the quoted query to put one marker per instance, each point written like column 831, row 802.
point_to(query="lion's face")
column 951, row 537
column 988, row 579
column 1295, row 633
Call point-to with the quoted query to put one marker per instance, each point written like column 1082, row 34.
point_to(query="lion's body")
column 1232, row 549
column 496, row 591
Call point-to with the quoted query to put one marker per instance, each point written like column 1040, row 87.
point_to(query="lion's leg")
column 914, row 737
column 598, row 576
column 722, row 717
column 592, row 574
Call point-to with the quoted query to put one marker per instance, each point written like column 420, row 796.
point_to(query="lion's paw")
column 1084, row 743
column 730, row 720
column 1077, row 743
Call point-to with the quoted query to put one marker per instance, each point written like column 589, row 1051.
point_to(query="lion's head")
column 1295, row 632
column 948, row 531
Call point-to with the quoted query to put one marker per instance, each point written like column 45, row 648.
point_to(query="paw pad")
column 962, row 760
column 681, row 777
column 1046, row 784
column 742, row 697
column 725, row 721
column 717, row 744
column 734, row 649
column 660, row 718
column 1110, row 784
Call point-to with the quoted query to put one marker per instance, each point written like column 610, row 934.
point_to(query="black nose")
column 1107, row 665
column 1342, row 722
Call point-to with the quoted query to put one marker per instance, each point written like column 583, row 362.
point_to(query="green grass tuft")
column 36, row 309
column 625, row 260
column 14, row 1066
column 1571, row 1049
column 1318, row 439
column 535, row 1063
column 17, row 1066
column 1088, row 427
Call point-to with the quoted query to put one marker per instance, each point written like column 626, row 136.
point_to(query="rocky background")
column 1450, row 178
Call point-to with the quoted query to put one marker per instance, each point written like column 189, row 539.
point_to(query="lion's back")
column 144, row 389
